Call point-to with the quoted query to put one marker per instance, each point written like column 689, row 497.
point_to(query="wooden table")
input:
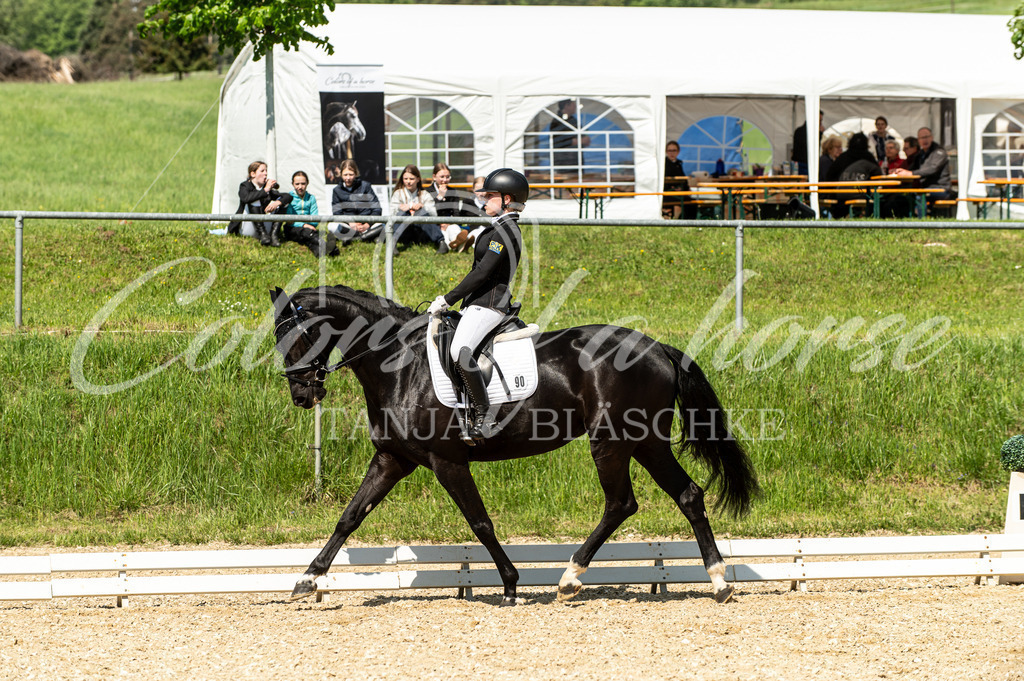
column 734, row 189
column 579, row 192
column 1005, row 186
column 600, row 197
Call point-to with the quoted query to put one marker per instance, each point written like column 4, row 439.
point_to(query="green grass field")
column 860, row 427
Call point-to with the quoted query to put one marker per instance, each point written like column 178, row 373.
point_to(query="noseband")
column 318, row 366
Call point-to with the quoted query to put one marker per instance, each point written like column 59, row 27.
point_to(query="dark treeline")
column 99, row 37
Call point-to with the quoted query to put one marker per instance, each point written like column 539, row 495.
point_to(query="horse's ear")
column 275, row 293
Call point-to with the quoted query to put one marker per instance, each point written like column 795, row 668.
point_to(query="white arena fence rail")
column 795, row 562
column 738, row 227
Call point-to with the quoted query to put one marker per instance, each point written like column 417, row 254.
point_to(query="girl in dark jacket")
column 260, row 195
column 353, row 196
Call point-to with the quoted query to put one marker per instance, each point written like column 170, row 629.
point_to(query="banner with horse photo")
column 352, row 120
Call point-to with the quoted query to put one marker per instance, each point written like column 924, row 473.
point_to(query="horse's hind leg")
column 670, row 476
column 612, row 460
column 382, row 475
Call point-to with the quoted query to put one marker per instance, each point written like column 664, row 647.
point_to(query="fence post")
column 389, row 258
column 317, row 416
column 19, row 229
column 739, row 278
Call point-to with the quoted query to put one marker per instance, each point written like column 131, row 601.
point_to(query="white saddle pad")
column 516, row 358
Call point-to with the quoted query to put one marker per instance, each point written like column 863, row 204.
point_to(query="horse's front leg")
column 458, row 482
column 383, row 474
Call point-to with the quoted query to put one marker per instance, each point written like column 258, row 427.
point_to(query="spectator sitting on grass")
column 409, row 199
column 450, row 203
column 306, row 233
column 259, row 195
column 354, row 196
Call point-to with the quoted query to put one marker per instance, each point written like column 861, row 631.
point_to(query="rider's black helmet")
column 507, row 181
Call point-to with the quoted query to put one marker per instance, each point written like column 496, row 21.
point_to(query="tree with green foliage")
column 264, row 23
column 51, row 26
column 159, row 54
column 1016, row 26
column 107, row 39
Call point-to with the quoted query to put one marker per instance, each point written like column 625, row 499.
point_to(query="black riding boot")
column 483, row 424
column 271, row 229
column 261, row 233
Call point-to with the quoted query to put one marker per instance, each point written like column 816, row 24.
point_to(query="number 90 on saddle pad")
column 510, row 360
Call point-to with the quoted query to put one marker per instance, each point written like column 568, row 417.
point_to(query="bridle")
column 319, row 366
column 321, row 370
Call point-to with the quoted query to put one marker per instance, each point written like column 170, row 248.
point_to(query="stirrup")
column 465, row 428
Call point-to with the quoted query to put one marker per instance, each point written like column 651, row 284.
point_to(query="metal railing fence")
column 738, row 227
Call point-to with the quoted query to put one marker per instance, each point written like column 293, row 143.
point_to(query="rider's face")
column 492, row 203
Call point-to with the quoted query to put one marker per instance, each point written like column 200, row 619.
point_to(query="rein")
column 321, row 370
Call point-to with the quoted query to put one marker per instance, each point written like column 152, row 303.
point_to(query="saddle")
column 441, row 332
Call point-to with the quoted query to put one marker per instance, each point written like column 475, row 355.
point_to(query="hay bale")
column 32, row 66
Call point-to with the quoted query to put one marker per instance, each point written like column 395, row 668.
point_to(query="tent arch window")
column 580, row 140
column 423, row 131
column 1002, row 144
column 737, row 142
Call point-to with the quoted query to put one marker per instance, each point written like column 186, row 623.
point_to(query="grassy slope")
column 197, row 454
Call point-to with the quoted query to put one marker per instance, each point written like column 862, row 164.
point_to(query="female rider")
column 486, row 291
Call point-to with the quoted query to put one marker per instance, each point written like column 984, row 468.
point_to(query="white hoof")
column 569, row 585
column 304, row 587
column 723, row 592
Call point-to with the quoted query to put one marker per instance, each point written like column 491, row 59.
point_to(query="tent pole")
column 271, row 123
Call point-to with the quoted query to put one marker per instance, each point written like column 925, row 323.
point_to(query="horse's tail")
column 708, row 438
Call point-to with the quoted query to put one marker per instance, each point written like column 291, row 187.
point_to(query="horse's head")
column 306, row 346
column 355, row 125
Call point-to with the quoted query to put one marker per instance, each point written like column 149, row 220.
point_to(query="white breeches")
column 476, row 323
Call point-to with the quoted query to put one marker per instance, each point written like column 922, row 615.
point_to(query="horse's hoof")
column 568, row 591
column 507, row 602
column 303, row 589
column 725, row 595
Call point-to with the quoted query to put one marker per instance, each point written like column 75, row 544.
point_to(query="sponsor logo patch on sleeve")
column 496, row 247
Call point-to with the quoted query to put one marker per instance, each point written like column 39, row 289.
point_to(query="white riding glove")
column 438, row 306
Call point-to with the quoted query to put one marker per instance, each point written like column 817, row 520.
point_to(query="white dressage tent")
column 657, row 69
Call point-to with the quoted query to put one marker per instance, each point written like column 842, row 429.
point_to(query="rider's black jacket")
column 495, row 258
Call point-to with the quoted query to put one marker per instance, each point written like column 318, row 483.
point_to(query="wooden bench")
column 981, row 203
column 705, row 197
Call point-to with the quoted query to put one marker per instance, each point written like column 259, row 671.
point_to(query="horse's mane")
column 369, row 303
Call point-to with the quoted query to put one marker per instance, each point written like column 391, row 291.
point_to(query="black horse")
column 616, row 385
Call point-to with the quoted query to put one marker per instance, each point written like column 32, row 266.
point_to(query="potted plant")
column 1011, row 456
